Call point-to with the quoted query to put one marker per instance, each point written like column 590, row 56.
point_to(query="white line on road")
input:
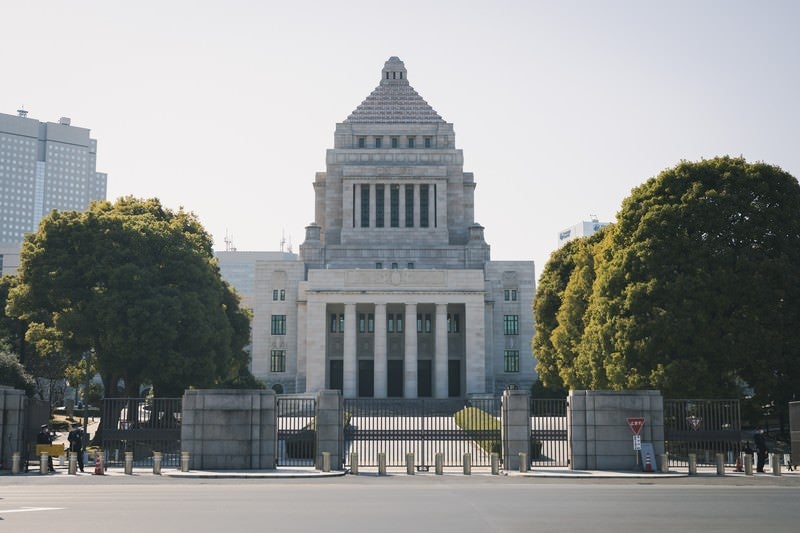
column 28, row 509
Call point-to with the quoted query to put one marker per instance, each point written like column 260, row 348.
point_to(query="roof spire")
column 394, row 72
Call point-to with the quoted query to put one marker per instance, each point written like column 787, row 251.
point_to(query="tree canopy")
column 139, row 284
column 694, row 291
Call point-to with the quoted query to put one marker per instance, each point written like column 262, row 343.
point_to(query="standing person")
column 44, row 437
column 761, row 449
column 75, row 439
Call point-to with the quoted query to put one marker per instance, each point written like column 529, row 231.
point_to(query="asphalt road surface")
column 394, row 504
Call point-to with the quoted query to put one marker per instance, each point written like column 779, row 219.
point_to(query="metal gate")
column 297, row 433
column 142, row 426
column 549, row 444
column 423, row 427
column 702, row 427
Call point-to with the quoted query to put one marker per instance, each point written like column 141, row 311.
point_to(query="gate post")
column 330, row 428
column 515, row 427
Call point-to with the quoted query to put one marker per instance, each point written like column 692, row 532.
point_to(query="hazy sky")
column 227, row 107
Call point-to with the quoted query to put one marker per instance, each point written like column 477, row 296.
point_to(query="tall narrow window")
column 362, row 323
column 409, row 206
column 411, row 142
column 511, row 361
column 390, row 323
column 395, row 142
column 427, row 323
column 333, row 323
column 283, row 294
column 400, row 323
column 364, row 205
column 423, row 206
column 378, row 142
column 370, row 323
column 275, row 294
column 510, row 324
column 379, row 206
column 428, row 142
column 341, row 323
column 362, row 142
column 277, row 361
column 394, row 206
column 278, row 325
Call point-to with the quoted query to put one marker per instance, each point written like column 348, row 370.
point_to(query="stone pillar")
column 475, row 331
column 515, row 427
column 316, row 362
column 330, row 428
column 12, row 416
column 441, row 352
column 349, row 364
column 402, row 217
column 599, row 436
column 380, row 364
column 357, row 205
column 410, row 357
column 417, row 209
column 372, row 201
column 794, row 431
column 230, row 429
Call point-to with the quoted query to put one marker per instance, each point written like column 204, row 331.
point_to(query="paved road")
column 396, row 503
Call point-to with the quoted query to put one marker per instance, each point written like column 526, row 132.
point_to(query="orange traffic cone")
column 738, row 466
column 98, row 464
column 647, row 466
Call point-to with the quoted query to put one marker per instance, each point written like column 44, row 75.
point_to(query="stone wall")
column 599, row 436
column 229, row 429
column 794, row 428
column 12, row 416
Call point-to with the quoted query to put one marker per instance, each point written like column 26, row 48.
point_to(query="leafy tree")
column 13, row 374
column 138, row 283
column 695, row 290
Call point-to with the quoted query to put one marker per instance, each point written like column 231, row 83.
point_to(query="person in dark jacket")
column 75, row 439
column 44, row 437
column 761, row 449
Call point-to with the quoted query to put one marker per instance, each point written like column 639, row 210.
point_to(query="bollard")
column 72, row 469
column 354, row 463
column 43, row 463
column 523, row 462
column 776, row 464
column 326, row 461
column 410, row 463
column 665, row 462
column 467, row 464
column 157, row 463
column 692, row 464
column 720, row 464
column 184, row 461
column 495, row 464
column 381, row 464
column 15, row 462
column 129, row 463
column 439, row 463
column 748, row 464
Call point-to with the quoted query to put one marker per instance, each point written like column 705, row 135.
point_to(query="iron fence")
column 423, row 427
column 296, row 430
column 549, row 443
column 702, row 427
column 141, row 426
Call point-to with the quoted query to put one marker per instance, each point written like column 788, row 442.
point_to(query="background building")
column 43, row 166
column 394, row 293
column 581, row 229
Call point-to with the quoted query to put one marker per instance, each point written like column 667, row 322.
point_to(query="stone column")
column 402, row 202
column 410, row 357
column 416, row 206
column 515, row 427
column 380, row 364
column 349, row 355
column 475, row 346
column 330, row 428
column 316, row 362
column 441, row 353
column 357, row 205
column 372, row 202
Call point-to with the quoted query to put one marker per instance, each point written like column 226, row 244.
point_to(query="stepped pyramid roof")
column 394, row 100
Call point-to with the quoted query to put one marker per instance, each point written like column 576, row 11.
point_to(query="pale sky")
column 561, row 107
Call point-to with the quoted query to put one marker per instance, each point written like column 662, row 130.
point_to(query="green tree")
column 13, row 374
column 138, row 283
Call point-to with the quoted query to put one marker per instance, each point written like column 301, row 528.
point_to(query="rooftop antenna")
column 283, row 241
column 21, row 112
column 594, row 218
column 229, row 247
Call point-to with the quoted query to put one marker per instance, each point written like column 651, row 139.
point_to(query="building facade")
column 43, row 166
column 394, row 294
column 585, row 228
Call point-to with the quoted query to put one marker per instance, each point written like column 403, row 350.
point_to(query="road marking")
column 28, row 509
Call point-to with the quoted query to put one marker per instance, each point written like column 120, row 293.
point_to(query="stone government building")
column 394, row 294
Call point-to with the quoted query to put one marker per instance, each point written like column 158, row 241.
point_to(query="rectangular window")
column 428, row 142
column 510, row 295
column 427, row 323
column 410, row 266
column 399, row 323
column 378, row 265
column 283, row 294
column 513, row 295
column 364, row 205
column 395, row 142
column 379, row 206
column 507, row 295
column 362, row 142
column 419, row 323
column 394, row 206
column 279, row 324
column 333, row 323
column 409, row 206
column 341, row 323
column 362, row 323
column 411, row 142
column 370, row 323
column 511, row 361
column 453, row 323
column 275, row 294
column 277, row 361
column 510, row 324
column 390, row 323
column 394, row 266
column 378, row 142
column 423, row 206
